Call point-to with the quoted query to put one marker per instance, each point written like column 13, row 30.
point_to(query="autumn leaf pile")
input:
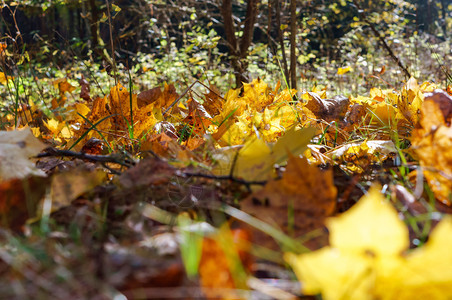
column 286, row 148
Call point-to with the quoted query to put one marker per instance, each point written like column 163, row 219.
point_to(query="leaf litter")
column 141, row 190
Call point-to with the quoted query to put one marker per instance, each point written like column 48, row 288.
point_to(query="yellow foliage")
column 432, row 142
column 4, row 79
column 366, row 258
column 342, row 71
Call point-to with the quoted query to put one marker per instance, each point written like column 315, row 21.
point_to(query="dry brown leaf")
column 149, row 96
column 356, row 114
column 328, row 109
column 84, row 92
column 93, row 146
column 168, row 96
column 443, row 100
column 63, row 85
column 304, row 190
column 167, row 128
column 150, row 171
column 16, row 147
column 212, row 101
column 67, row 186
column 19, row 199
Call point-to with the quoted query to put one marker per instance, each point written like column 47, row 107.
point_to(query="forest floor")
column 263, row 192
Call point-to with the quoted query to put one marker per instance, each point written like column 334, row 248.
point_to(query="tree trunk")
column 281, row 41
column 293, row 35
column 94, row 23
column 238, row 49
column 98, row 44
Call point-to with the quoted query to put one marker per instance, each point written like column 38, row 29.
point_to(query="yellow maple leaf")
column 369, row 213
column 144, row 119
column 257, row 94
column 365, row 258
column 431, row 264
column 53, row 125
column 432, row 142
column 410, row 102
column 238, row 132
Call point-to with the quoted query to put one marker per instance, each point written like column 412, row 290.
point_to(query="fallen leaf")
column 328, row 109
column 410, row 101
column 342, row 71
column 67, row 186
column 16, row 147
column 63, row 86
column 366, row 259
column 225, row 263
column 432, row 143
column 253, row 162
column 257, row 94
column 84, row 92
column 294, row 142
column 167, row 128
column 149, row 96
column 93, row 146
column 212, row 101
column 444, row 102
column 305, row 192
column 358, row 156
column 19, row 200
column 149, row 171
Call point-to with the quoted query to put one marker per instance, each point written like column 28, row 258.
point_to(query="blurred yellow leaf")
column 366, row 260
column 342, row 71
column 4, row 79
column 67, row 186
column 380, row 230
column 63, row 85
column 16, row 147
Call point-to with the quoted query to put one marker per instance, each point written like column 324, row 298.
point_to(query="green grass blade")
column 93, row 126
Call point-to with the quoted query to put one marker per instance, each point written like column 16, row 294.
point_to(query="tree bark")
column 281, row 41
column 443, row 16
column 293, row 35
column 94, row 23
column 238, row 49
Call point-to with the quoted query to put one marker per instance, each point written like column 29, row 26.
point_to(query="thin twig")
column 226, row 177
column 186, row 91
column 377, row 34
column 114, row 158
